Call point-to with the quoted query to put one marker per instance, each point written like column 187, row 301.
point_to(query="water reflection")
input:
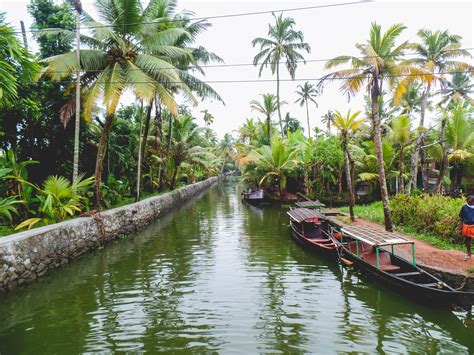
column 218, row 276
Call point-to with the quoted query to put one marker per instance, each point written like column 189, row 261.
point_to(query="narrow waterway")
column 218, row 276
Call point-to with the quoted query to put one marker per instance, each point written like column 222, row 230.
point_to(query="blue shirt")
column 467, row 215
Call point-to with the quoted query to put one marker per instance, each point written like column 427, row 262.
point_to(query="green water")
column 218, row 276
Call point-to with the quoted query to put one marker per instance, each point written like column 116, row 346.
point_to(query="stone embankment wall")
column 28, row 255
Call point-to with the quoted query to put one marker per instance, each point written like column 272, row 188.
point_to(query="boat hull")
column 320, row 248
column 254, row 196
column 442, row 296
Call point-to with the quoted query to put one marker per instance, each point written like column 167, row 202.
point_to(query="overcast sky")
column 329, row 31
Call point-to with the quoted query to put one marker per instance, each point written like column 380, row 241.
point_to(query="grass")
column 374, row 213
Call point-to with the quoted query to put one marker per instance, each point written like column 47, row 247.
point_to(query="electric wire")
column 168, row 20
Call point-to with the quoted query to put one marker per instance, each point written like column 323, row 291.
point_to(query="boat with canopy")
column 374, row 252
column 311, row 230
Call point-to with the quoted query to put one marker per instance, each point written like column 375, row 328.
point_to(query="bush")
column 438, row 215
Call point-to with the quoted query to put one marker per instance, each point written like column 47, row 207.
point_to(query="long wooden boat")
column 254, row 196
column 310, row 230
column 374, row 253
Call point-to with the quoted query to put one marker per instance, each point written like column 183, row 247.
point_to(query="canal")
column 218, row 276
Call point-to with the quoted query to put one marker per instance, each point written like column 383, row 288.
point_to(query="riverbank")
column 25, row 256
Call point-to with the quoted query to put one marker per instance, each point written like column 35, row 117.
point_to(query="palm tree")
column 401, row 135
column 248, row 131
column 436, row 53
column 460, row 86
column 283, row 42
column 77, row 124
column 377, row 64
column 268, row 107
column 457, row 141
column 124, row 52
column 410, row 102
column 328, row 118
column 208, row 118
column 226, row 150
column 185, row 134
column 16, row 64
column 347, row 125
column 307, row 93
column 276, row 159
column 291, row 124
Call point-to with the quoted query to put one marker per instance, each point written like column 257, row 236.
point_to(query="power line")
column 323, row 78
column 207, row 17
column 296, row 61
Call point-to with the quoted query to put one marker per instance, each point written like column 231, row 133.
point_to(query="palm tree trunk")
column 139, row 164
column 168, row 149
column 419, row 142
column 375, row 93
column 269, row 130
column 99, row 163
column 158, row 135
column 77, row 126
column 278, row 97
column 401, row 170
column 173, row 179
column 146, row 131
column 307, row 119
column 349, row 183
column 444, row 160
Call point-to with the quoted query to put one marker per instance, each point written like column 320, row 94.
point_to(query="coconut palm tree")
column 124, row 52
column 283, row 42
column 456, row 144
column 16, row 64
column 226, row 150
column 277, row 160
column 347, row 125
column 307, row 93
column 185, row 135
column 401, row 135
column 377, row 65
column 436, row 52
column 248, row 131
column 267, row 107
column 328, row 119
column 460, row 86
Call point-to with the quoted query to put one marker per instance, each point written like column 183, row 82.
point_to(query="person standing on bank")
column 467, row 218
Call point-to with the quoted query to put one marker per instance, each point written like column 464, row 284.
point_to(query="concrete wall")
column 28, row 255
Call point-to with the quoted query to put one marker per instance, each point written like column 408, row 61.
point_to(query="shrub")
column 438, row 215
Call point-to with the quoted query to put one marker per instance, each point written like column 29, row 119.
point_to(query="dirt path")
column 427, row 255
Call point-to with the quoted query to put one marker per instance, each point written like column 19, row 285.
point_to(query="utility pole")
column 75, row 170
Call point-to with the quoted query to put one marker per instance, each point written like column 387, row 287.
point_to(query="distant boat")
column 310, row 230
column 372, row 251
column 254, row 196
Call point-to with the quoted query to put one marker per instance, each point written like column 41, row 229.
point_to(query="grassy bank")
column 432, row 219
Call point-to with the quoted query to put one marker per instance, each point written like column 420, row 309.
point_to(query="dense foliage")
column 148, row 147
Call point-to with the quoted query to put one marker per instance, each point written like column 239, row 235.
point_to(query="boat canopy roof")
column 374, row 237
column 310, row 204
column 302, row 214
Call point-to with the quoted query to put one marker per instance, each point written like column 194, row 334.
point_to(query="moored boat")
column 374, row 253
column 254, row 196
column 310, row 230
